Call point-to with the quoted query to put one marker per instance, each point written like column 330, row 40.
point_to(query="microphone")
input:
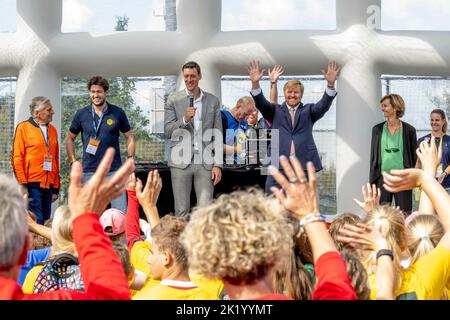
column 191, row 100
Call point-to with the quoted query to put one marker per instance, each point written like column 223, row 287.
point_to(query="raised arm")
column 407, row 179
column 274, row 74
column 149, row 196
column 366, row 237
column 320, row 108
column 331, row 74
column 429, row 158
column 371, row 195
column 132, row 229
column 265, row 107
column 101, row 268
column 255, row 73
column 299, row 197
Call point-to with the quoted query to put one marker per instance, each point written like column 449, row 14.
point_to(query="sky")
column 99, row 15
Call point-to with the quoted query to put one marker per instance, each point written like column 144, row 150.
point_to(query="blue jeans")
column 40, row 203
column 120, row 202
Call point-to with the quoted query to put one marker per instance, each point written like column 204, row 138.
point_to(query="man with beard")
column 100, row 124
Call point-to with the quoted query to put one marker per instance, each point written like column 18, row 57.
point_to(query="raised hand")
column 429, row 156
column 95, row 194
column 298, row 195
column 371, row 197
column 254, row 71
column 275, row 73
column 405, row 179
column 363, row 236
column 131, row 183
column 331, row 74
column 149, row 196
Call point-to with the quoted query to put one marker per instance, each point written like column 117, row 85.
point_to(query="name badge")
column 439, row 170
column 92, row 146
column 47, row 163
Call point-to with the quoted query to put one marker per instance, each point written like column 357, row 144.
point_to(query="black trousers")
column 403, row 199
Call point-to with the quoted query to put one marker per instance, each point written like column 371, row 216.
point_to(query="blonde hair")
column 391, row 223
column 397, row 103
column 423, row 234
column 62, row 241
column 246, row 100
column 238, row 238
column 293, row 83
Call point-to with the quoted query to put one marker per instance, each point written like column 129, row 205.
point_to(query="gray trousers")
column 182, row 185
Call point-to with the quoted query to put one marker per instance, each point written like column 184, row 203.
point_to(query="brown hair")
column 304, row 247
column 443, row 117
column 337, row 223
column 293, row 83
column 358, row 275
column 192, row 65
column 290, row 277
column 98, row 81
column 397, row 103
column 124, row 257
column 166, row 234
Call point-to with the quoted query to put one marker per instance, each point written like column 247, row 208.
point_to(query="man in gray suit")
column 193, row 123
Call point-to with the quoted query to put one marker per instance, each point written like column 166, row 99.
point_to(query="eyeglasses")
column 389, row 150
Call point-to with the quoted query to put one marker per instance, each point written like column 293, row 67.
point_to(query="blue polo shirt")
column 445, row 154
column 112, row 123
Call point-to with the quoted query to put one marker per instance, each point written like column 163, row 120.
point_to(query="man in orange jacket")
column 35, row 158
column 101, row 269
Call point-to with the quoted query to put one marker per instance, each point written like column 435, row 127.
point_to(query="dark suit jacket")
column 409, row 149
column 305, row 117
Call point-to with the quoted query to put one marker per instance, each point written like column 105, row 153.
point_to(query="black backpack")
column 61, row 272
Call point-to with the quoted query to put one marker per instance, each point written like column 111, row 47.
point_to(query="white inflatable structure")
column 40, row 55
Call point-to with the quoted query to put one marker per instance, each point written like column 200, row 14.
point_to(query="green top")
column 391, row 150
column 310, row 268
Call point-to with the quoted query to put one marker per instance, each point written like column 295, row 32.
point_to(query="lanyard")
column 440, row 142
column 97, row 127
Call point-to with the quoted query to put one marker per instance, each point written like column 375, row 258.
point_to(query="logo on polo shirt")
column 110, row 122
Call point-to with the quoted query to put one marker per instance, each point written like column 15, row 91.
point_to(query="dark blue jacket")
column 302, row 133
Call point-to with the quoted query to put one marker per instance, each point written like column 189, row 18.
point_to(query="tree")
column 6, row 137
column 122, row 23
column 75, row 96
column 442, row 101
